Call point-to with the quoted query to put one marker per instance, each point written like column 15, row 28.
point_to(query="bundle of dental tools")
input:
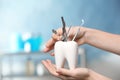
column 65, row 34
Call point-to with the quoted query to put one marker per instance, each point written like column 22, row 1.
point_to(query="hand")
column 65, row 74
column 80, row 38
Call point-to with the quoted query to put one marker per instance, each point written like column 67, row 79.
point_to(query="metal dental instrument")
column 64, row 34
column 54, row 31
column 68, row 33
column 82, row 22
column 76, row 34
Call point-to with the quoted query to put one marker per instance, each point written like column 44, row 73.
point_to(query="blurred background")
column 25, row 26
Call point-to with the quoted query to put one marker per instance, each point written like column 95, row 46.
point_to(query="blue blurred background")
column 44, row 15
column 41, row 16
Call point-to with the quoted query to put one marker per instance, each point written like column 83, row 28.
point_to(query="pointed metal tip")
column 82, row 22
column 54, row 31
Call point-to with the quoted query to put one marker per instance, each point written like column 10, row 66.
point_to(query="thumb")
column 65, row 72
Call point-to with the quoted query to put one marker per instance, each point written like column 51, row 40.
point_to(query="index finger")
column 50, row 43
column 55, row 37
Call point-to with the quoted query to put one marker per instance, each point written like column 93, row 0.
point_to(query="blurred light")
column 16, row 43
column 26, row 36
column 27, row 47
column 40, row 70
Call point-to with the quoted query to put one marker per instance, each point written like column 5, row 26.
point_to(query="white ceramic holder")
column 66, row 51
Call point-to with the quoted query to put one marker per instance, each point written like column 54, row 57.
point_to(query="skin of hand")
column 100, row 39
column 75, row 74
column 80, row 39
column 65, row 74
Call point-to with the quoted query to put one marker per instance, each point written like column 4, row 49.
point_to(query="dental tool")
column 82, row 22
column 54, row 31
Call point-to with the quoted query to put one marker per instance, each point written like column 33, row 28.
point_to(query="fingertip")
column 50, row 42
column 52, row 54
column 45, row 49
column 47, row 45
column 43, row 61
column 58, row 70
column 48, row 60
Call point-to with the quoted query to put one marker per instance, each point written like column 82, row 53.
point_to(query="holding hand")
column 80, row 38
column 75, row 74
column 65, row 74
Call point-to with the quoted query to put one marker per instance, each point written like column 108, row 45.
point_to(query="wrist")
column 84, row 35
column 88, row 34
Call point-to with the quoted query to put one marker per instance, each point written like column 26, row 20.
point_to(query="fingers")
column 55, row 37
column 47, row 49
column 51, row 65
column 49, row 45
column 79, row 73
column 52, row 69
column 52, row 54
column 51, row 42
column 64, row 72
column 48, row 65
column 66, row 78
column 45, row 63
column 83, row 72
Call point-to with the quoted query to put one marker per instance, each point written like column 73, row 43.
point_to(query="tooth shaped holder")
column 66, row 51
